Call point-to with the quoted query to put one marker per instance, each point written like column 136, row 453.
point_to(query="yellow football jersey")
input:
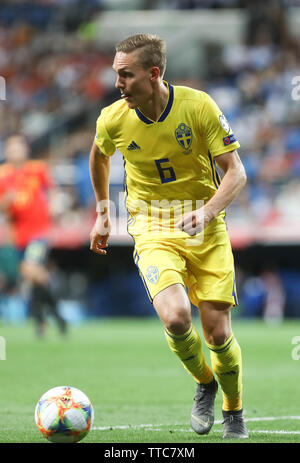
column 169, row 163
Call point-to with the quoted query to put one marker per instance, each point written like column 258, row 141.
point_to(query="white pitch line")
column 275, row 432
column 157, row 429
column 272, row 418
column 161, row 427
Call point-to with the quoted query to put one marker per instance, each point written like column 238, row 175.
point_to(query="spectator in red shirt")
column 24, row 184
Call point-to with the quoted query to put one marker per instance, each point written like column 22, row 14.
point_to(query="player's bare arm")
column 232, row 183
column 99, row 173
column 6, row 200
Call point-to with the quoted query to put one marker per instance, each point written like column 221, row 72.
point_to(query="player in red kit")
column 24, row 187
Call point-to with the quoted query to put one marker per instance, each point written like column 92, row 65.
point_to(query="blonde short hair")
column 152, row 50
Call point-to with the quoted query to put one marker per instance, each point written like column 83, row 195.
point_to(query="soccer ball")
column 64, row 414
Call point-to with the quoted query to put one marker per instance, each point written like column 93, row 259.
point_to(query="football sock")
column 226, row 361
column 42, row 294
column 41, row 298
column 188, row 348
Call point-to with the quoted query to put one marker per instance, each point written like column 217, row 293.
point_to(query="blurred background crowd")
column 55, row 63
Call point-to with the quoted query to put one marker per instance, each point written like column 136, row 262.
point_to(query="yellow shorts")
column 205, row 269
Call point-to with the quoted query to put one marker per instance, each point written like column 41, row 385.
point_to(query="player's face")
column 16, row 149
column 133, row 80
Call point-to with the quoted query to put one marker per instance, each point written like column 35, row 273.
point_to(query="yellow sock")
column 226, row 361
column 188, row 348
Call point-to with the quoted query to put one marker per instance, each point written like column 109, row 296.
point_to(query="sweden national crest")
column 152, row 274
column 184, row 136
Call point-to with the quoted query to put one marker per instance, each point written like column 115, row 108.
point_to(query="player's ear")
column 154, row 73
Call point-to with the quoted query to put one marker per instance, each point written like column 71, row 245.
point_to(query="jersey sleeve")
column 46, row 177
column 102, row 138
column 216, row 129
column 2, row 184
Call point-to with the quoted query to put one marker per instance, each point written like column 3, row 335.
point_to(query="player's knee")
column 216, row 323
column 174, row 309
column 217, row 337
column 177, row 326
column 178, row 321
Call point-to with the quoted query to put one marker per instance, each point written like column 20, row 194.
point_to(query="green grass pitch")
column 139, row 389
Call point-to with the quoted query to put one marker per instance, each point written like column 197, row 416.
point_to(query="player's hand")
column 100, row 234
column 194, row 222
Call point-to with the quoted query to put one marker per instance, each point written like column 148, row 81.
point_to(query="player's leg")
column 43, row 298
column 37, row 312
column 163, row 271
column 35, row 278
column 35, row 273
column 226, row 360
column 173, row 307
column 225, row 351
column 211, row 278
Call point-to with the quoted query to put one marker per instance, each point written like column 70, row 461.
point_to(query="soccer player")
column 24, row 184
column 172, row 138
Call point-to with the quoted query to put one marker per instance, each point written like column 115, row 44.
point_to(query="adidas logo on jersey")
column 133, row 146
